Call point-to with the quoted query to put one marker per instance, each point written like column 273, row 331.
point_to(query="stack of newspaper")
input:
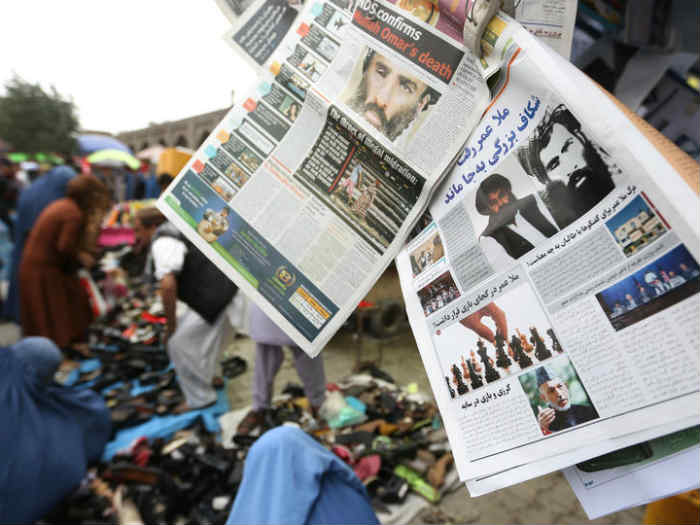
column 552, row 284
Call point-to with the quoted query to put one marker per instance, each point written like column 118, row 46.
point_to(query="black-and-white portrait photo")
column 574, row 173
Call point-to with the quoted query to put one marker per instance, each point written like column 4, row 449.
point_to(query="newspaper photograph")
column 305, row 193
column 554, row 293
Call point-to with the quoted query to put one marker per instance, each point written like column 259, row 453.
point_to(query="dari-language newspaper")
column 305, row 193
column 553, row 290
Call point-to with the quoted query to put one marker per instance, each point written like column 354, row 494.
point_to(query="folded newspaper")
column 554, row 291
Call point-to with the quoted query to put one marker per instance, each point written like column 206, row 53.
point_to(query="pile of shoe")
column 189, row 479
column 398, row 444
column 400, row 447
column 136, row 319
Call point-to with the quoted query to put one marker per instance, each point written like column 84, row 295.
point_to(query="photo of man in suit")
column 516, row 225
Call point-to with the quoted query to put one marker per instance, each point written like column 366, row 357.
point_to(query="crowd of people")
column 655, row 284
column 437, row 295
column 57, row 221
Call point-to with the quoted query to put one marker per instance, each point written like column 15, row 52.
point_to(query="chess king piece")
column 555, row 342
column 474, row 378
column 461, row 387
column 521, row 357
column 490, row 374
column 541, row 351
column 475, row 363
column 502, row 360
column 449, row 387
column 465, row 371
column 527, row 347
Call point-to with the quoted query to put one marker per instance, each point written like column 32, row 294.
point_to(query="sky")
column 125, row 64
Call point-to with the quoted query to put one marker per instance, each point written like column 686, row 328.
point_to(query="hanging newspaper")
column 553, row 293
column 305, row 193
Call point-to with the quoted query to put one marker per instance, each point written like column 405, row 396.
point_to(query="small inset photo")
column 557, row 397
column 658, row 285
column 439, row 293
column 213, row 224
column 636, row 226
column 427, row 254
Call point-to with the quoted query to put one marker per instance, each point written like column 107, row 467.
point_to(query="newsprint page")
column 553, row 291
column 305, row 193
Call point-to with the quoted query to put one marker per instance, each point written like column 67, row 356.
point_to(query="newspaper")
column 551, row 21
column 305, row 193
column 639, row 474
column 553, row 293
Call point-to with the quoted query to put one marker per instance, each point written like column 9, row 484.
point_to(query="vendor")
column 194, row 338
column 269, row 340
column 53, row 303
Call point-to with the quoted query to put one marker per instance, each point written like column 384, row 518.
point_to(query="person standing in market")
column 32, row 201
column 194, row 339
column 53, row 303
column 269, row 340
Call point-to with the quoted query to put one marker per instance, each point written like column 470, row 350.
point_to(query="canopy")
column 114, row 158
column 42, row 158
column 151, row 154
column 172, row 160
column 92, row 142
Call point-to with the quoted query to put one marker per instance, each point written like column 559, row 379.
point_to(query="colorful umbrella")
column 92, row 142
column 114, row 158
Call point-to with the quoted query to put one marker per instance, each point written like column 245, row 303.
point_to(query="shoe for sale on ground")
column 252, row 420
column 436, row 473
column 233, row 367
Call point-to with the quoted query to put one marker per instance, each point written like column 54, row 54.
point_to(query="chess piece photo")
column 490, row 374
column 465, row 371
column 461, row 387
column 555, row 342
column 474, row 378
column 475, row 363
column 527, row 347
column 502, row 360
column 541, row 351
column 521, row 357
column 449, row 387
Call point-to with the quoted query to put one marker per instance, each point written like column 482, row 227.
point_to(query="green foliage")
column 33, row 120
column 557, row 367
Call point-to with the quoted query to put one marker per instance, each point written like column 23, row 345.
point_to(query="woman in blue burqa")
column 32, row 201
column 49, row 433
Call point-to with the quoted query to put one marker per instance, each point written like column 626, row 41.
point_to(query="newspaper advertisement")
column 553, row 293
column 305, row 193
column 638, row 474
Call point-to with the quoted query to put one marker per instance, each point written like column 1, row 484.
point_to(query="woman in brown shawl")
column 52, row 302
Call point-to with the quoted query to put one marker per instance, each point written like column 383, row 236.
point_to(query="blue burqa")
column 49, row 433
column 290, row 478
column 32, row 201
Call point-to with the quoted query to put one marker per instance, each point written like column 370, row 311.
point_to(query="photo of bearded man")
column 388, row 96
